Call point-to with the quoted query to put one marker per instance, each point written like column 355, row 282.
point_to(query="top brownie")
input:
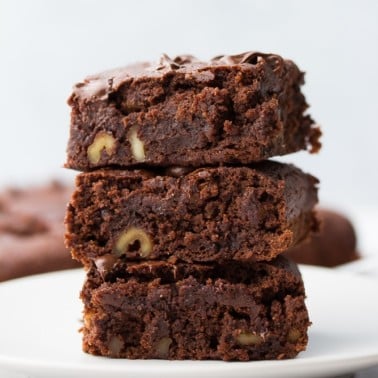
column 182, row 111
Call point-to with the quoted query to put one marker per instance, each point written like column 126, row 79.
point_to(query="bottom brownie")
column 165, row 310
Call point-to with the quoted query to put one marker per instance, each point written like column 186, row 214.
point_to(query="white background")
column 46, row 46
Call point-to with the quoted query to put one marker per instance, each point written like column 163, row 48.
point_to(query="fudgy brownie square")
column 232, row 311
column 201, row 215
column 232, row 109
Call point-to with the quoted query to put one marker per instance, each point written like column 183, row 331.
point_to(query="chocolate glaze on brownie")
column 208, row 214
column 236, row 311
column 32, row 232
column 181, row 111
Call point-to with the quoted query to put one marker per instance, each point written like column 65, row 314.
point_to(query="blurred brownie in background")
column 335, row 243
column 31, row 230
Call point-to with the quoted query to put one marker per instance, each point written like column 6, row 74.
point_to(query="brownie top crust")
column 182, row 111
column 101, row 85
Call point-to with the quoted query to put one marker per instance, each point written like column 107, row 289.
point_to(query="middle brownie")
column 201, row 215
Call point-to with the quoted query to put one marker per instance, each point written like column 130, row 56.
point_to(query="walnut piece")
column 87, row 319
column 162, row 347
column 137, row 146
column 129, row 238
column 293, row 335
column 248, row 338
column 102, row 141
column 115, row 346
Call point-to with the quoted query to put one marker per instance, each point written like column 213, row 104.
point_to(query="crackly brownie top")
column 101, row 85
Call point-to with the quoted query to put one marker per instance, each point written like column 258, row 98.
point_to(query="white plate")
column 39, row 319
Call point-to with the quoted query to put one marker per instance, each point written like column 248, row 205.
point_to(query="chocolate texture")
column 181, row 111
column 208, row 214
column 237, row 311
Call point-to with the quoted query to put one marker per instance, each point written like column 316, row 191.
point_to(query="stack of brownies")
column 179, row 219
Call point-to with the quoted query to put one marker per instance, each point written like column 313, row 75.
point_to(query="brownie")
column 201, row 215
column 182, row 111
column 334, row 244
column 233, row 311
column 31, row 230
